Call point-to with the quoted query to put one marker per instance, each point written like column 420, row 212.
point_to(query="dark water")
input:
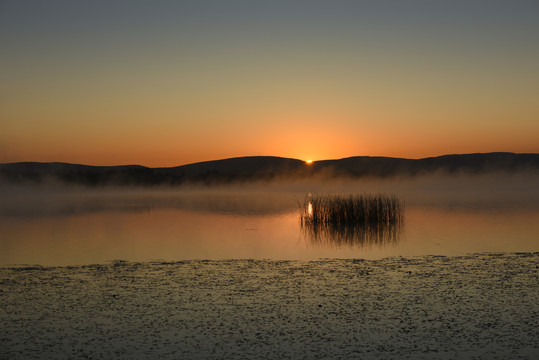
column 443, row 216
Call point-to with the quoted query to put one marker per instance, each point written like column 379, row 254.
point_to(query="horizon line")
column 268, row 156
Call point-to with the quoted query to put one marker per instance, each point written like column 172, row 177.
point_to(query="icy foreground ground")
column 478, row 306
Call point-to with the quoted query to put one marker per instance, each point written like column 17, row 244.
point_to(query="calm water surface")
column 83, row 227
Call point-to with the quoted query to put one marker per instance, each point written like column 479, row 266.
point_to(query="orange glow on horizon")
column 289, row 135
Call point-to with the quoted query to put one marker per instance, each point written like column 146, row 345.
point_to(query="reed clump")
column 352, row 219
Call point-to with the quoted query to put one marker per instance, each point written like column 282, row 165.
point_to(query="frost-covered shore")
column 475, row 306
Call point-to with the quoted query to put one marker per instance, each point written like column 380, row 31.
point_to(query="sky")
column 165, row 83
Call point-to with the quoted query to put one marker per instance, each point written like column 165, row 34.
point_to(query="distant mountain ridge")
column 252, row 168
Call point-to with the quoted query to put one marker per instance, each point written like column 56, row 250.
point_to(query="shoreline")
column 123, row 262
column 471, row 306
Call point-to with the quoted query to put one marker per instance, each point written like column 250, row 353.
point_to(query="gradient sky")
column 163, row 83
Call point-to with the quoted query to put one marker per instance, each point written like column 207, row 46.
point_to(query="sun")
column 309, row 162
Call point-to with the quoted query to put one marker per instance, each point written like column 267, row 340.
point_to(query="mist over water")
column 444, row 215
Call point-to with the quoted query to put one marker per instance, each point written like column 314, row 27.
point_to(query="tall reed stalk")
column 361, row 219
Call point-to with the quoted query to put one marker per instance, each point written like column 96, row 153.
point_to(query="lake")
column 53, row 226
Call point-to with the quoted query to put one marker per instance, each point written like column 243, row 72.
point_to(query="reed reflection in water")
column 352, row 220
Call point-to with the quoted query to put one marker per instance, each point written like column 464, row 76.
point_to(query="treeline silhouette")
column 256, row 168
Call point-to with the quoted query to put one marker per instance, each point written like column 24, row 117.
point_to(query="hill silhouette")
column 254, row 168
